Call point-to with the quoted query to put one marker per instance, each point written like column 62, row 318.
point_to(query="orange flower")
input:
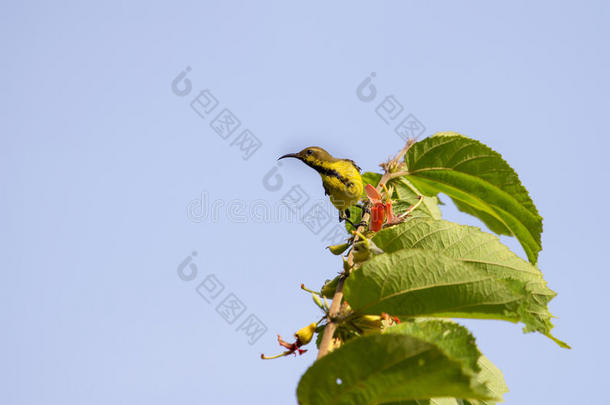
column 378, row 208
column 380, row 212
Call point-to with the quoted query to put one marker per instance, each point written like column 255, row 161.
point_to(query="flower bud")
column 329, row 288
column 317, row 300
column 305, row 334
column 338, row 249
column 361, row 251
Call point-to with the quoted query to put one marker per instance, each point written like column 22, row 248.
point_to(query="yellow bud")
column 368, row 322
column 305, row 334
column 346, row 266
column 329, row 288
column 374, row 320
column 361, row 251
column 317, row 300
column 338, row 249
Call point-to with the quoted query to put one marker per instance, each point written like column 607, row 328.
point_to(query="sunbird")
column 340, row 177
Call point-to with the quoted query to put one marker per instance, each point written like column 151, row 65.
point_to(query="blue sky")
column 102, row 165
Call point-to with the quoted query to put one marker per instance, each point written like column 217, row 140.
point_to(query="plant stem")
column 331, row 326
column 335, row 307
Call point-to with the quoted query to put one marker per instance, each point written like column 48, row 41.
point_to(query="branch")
column 335, row 308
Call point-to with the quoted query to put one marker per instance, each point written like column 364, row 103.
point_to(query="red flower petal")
column 372, row 193
column 377, row 217
column 388, row 211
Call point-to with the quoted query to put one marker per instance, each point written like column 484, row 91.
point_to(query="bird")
column 340, row 177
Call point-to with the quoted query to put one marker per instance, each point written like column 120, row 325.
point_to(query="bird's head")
column 311, row 156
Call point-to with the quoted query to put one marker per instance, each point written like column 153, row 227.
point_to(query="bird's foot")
column 348, row 221
column 361, row 223
column 364, row 208
column 355, row 226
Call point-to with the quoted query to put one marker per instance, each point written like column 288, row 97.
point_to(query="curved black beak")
column 292, row 155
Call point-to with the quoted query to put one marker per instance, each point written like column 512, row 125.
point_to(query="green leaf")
column 406, row 195
column 433, row 401
column 489, row 375
column 371, row 178
column 355, row 217
column 492, row 377
column 422, row 283
column 480, row 182
column 457, row 272
column 401, row 364
column 453, row 338
column 483, row 251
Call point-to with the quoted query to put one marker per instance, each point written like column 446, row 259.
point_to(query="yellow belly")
column 342, row 195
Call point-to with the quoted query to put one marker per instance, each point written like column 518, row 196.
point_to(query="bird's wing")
column 354, row 164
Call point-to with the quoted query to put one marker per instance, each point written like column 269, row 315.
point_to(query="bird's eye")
column 309, row 152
